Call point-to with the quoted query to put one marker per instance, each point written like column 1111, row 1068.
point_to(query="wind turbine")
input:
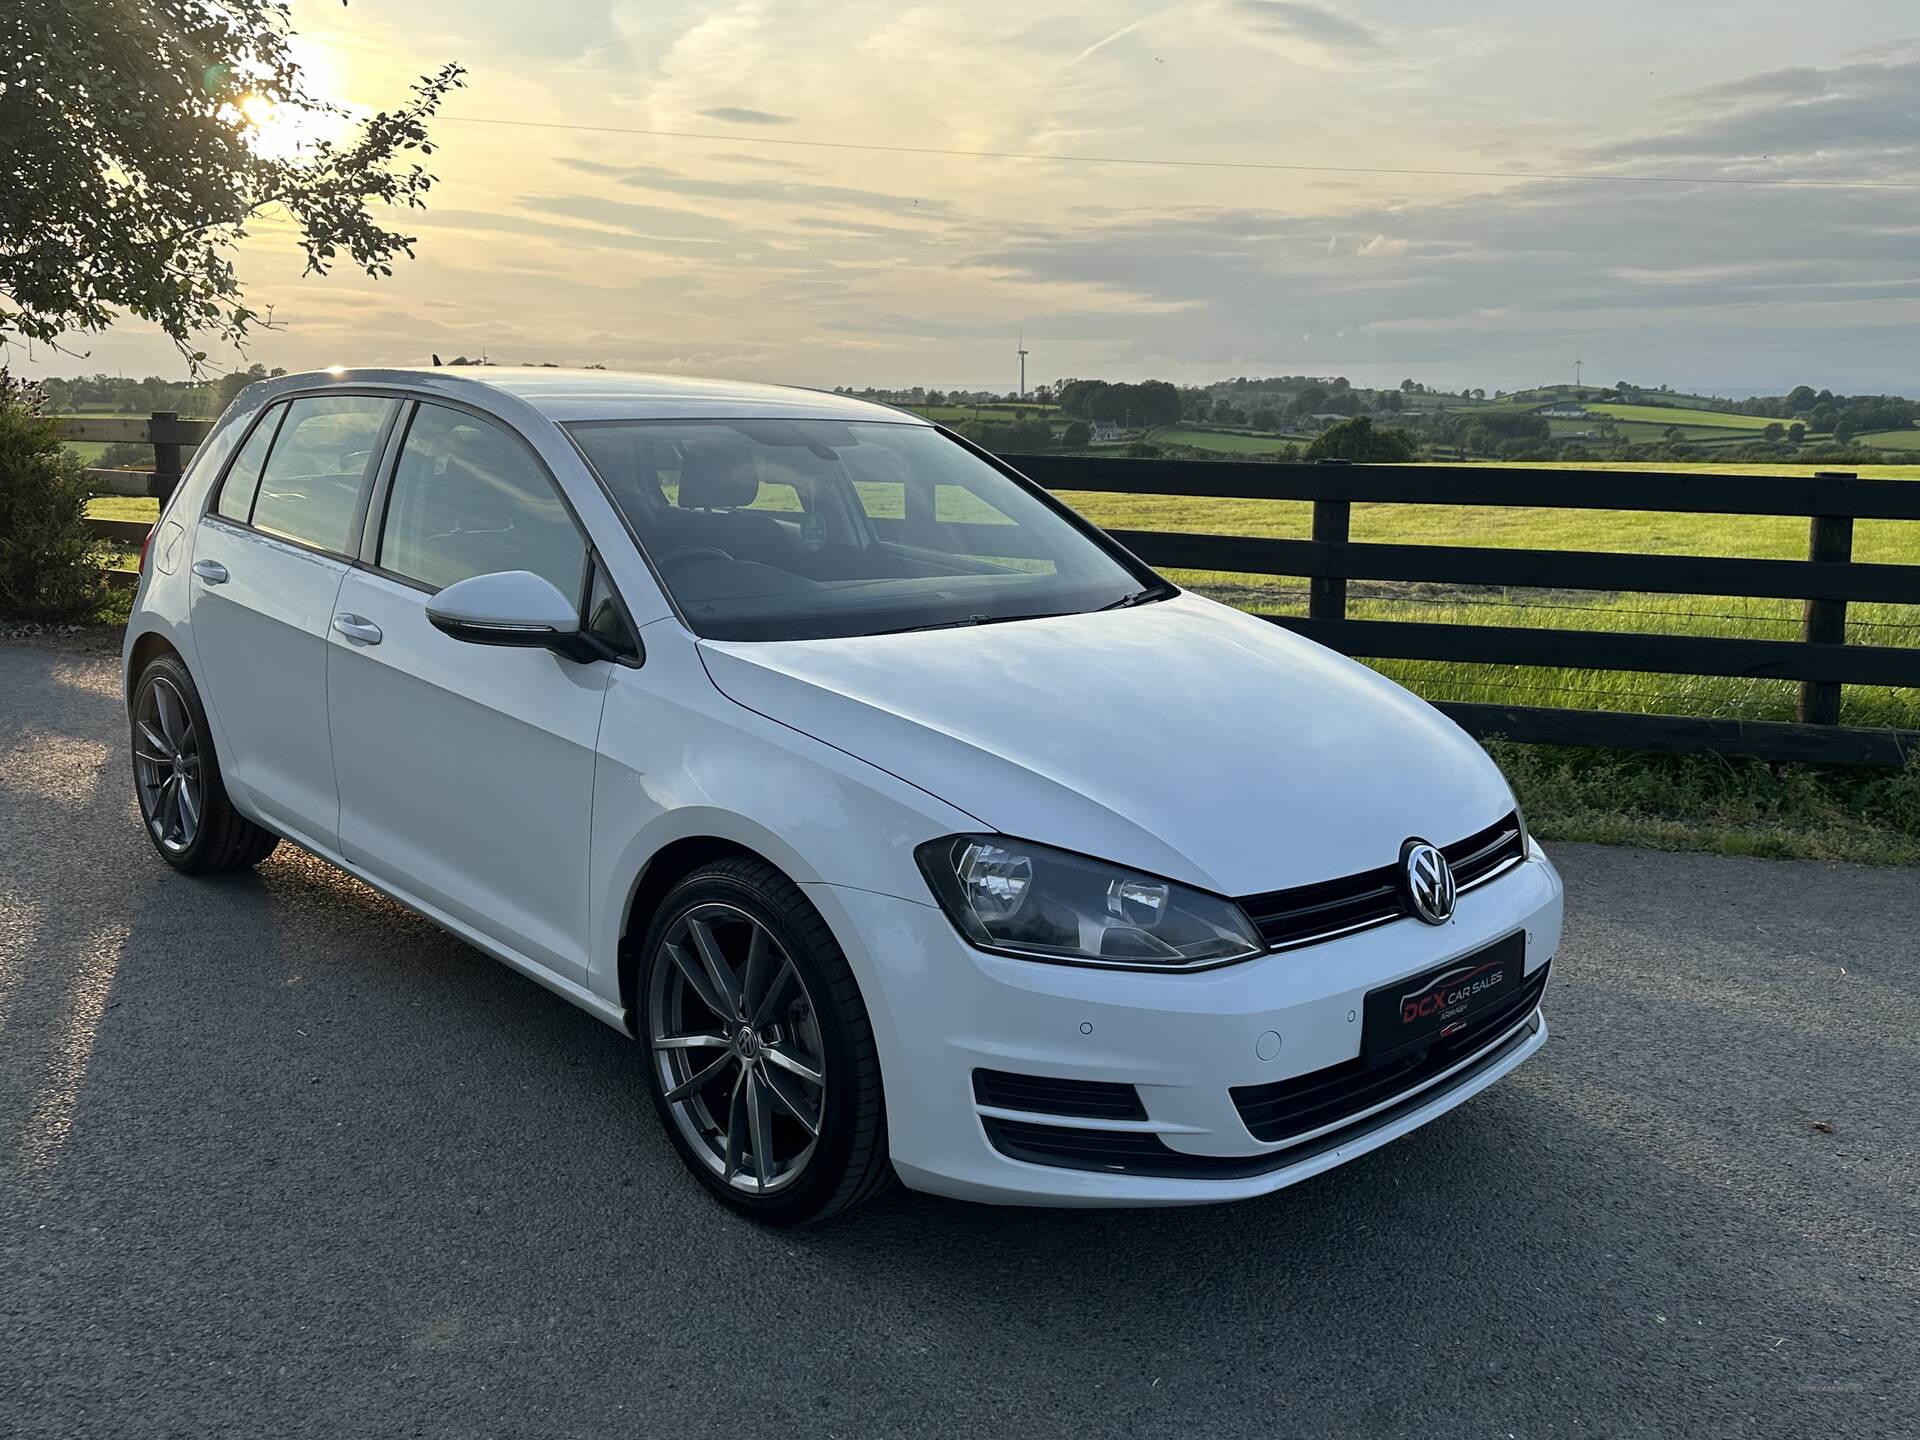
column 1022, row 343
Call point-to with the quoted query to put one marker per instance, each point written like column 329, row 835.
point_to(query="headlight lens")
column 1048, row 904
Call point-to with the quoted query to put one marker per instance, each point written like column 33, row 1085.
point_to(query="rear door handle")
column 357, row 627
column 211, row 571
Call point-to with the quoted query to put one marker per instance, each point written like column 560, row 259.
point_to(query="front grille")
column 1139, row 1152
column 1094, row 1099
column 1308, row 914
column 1286, row 1108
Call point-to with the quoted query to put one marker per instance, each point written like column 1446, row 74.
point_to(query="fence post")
column 1326, row 594
column 166, row 455
column 1824, row 622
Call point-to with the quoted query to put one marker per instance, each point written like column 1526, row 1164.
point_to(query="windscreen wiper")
column 1141, row 597
column 971, row 620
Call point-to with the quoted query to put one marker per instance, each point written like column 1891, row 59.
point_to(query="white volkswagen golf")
column 911, row 825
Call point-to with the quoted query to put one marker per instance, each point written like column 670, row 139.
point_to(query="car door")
column 268, row 558
column 466, row 771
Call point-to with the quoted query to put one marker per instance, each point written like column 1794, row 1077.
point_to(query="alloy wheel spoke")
column 760, row 1127
column 189, row 809
column 166, row 711
column 753, row 975
column 169, row 807
column 770, row 1001
column 701, row 1080
column 791, row 1097
column 725, row 982
column 736, row 1126
column 698, row 980
column 776, row 1056
column 157, row 743
column 691, row 1042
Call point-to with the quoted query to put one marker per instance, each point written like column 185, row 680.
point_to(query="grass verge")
column 1704, row 802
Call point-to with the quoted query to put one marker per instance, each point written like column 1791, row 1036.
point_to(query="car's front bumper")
column 942, row 1009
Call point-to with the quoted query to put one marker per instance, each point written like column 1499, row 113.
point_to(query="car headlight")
column 1046, row 904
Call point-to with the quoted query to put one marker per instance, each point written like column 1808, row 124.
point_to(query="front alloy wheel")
column 760, row 1054
column 737, row 1048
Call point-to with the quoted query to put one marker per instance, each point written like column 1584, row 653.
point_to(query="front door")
column 466, row 771
column 268, row 559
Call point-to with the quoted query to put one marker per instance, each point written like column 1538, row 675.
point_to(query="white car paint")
column 1181, row 738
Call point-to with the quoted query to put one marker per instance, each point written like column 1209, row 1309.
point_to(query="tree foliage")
column 1360, row 439
column 130, row 166
column 49, row 560
column 1151, row 402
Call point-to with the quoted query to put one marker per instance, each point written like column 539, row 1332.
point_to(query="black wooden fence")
column 1826, row 581
column 170, row 437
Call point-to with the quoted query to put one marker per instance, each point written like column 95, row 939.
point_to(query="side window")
column 243, row 476
column 311, row 486
column 607, row 620
column 469, row 499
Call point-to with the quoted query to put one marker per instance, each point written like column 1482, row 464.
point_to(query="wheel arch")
column 664, row 869
column 146, row 648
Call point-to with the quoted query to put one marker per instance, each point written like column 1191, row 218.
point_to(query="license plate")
column 1412, row 1014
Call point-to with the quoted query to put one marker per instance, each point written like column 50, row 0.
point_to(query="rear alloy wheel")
column 760, row 1053
column 166, row 766
column 176, row 777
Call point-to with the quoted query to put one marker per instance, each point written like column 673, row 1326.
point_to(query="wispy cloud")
column 789, row 192
column 1125, row 30
column 1850, row 122
column 734, row 115
column 1314, row 24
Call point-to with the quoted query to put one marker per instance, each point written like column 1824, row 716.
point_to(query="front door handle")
column 357, row 628
column 211, row 571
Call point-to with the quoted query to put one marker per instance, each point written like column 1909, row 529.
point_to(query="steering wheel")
column 685, row 553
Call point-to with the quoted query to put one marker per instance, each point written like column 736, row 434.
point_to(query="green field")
column 998, row 410
column 1223, row 443
column 1665, row 415
column 1638, row 433
column 1893, row 440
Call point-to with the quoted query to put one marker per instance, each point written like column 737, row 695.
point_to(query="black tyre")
column 760, row 1056
column 176, row 776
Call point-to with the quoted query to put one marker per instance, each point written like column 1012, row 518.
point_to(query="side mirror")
column 508, row 607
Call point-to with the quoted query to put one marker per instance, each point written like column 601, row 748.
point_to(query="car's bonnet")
column 1182, row 737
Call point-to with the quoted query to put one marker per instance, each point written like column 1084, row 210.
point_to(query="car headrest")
column 712, row 479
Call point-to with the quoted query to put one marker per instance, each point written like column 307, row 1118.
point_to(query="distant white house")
column 1105, row 432
column 1565, row 411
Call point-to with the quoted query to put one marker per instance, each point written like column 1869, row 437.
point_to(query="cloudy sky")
column 550, row 239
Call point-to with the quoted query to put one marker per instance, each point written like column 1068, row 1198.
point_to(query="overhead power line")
column 1187, row 164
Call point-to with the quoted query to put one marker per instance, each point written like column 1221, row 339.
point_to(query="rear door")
column 268, row 559
column 466, row 771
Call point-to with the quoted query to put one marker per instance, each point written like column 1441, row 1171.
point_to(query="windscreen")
column 805, row 529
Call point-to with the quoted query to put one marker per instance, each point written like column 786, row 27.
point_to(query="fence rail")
column 1820, row 661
